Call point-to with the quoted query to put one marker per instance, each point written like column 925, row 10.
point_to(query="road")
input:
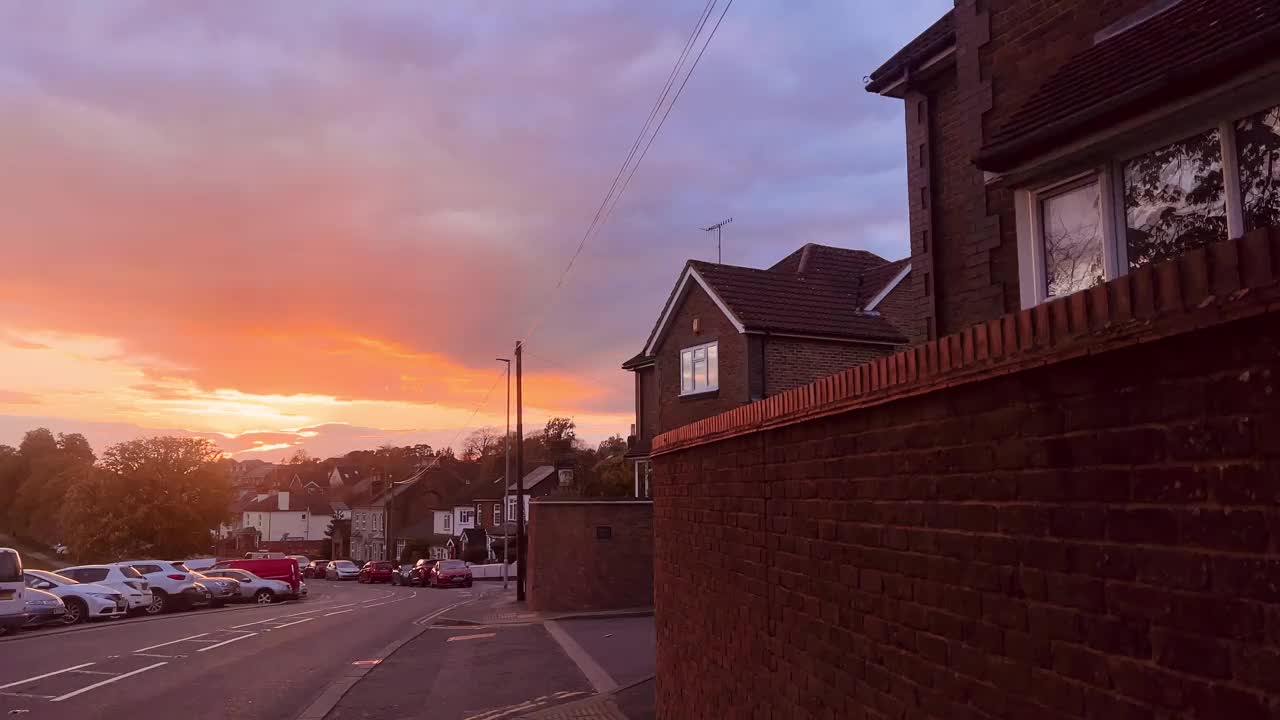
column 253, row 663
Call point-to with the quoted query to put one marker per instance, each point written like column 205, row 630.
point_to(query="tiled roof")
column 1190, row 47
column 828, row 304
column 637, row 360
column 939, row 35
column 298, row 502
column 875, row 279
column 534, row 477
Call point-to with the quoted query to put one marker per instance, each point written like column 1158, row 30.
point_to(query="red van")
column 284, row 569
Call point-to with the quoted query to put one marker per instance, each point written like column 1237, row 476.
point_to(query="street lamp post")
column 506, row 482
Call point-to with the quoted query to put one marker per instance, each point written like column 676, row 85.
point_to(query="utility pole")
column 520, row 550
column 506, row 483
column 717, row 228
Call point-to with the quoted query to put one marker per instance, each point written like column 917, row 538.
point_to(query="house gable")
column 689, row 277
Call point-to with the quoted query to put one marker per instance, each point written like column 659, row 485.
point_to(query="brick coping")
column 1225, row 281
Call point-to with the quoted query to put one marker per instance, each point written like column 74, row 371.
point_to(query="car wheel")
column 264, row 597
column 77, row 611
column 159, row 602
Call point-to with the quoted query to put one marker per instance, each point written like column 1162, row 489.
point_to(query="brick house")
column 1050, row 148
column 730, row 335
column 1063, row 504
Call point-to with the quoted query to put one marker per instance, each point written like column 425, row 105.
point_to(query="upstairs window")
column 700, row 369
column 1149, row 205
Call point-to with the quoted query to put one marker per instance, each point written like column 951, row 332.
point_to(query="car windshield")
column 129, row 572
column 345, row 564
column 54, row 578
column 453, row 565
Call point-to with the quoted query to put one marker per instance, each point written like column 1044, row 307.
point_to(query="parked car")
column 221, row 590
column 42, row 608
column 84, row 601
column 172, row 586
column 13, row 591
column 315, row 569
column 253, row 588
column 376, row 571
column 302, row 560
column 341, row 570
column 281, row 568
column 400, row 576
column 421, row 569
column 125, row 579
column 447, row 573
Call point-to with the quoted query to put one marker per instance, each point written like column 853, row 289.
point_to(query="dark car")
column 421, row 569
column 315, row 569
column 400, row 576
column 376, row 571
column 450, row 573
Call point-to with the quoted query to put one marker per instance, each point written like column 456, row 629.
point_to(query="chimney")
column 282, row 500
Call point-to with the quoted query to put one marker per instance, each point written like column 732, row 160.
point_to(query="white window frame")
column 1032, row 273
column 497, row 514
column 448, row 522
column 691, row 352
column 466, row 515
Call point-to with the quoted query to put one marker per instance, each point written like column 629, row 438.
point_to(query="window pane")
column 1174, row 199
column 1072, row 240
column 686, row 371
column 1258, row 143
column 713, row 366
column 700, row 373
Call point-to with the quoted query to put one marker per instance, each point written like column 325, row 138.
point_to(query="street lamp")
column 506, row 481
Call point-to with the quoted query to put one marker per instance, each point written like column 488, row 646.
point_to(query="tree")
column 612, row 445
column 560, row 429
column 481, row 443
column 46, row 466
column 156, row 497
column 301, row 457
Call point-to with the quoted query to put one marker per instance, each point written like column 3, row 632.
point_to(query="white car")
column 84, row 601
column 341, row 570
column 254, row 588
column 125, row 579
column 172, row 585
column 12, row 591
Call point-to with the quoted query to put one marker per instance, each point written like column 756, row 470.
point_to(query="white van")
column 13, row 602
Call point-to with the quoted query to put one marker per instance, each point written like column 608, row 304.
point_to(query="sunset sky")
column 315, row 225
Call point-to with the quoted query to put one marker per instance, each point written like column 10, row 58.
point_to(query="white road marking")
column 108, row 681
column 295, row 622
column 338, row 613
column 49, row 674
column 226, row 642
column 478, row 636
column 171, row 642
column 389, row 602
column 26, row 695
column 94, row 672
column 158, row 655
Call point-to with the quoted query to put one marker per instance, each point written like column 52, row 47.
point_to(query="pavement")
column 251, row 663
column 494, row 660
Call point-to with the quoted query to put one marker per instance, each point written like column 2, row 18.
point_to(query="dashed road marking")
column 295, row 622
column 171, row 642
column 338, row 612
column 108, row 681
column 226, row 642
column 48, row 674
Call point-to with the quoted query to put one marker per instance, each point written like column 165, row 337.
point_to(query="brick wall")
column 789, row 362
column 572, row 568
column 673, row 410
column 1067, row 512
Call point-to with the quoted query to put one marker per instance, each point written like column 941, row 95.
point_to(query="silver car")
column 253, row 588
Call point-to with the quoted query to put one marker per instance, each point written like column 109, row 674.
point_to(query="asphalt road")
column 253, row 663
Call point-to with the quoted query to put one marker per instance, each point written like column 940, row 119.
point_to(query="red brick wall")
column 789, row 362
column 673, row 410
column 1068, row 512
column 1098, row 539
column 570, row 568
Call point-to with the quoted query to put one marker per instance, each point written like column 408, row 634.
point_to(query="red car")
column 376, row 571
column 448, row 573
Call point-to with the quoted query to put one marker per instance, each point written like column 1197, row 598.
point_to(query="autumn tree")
column 155, row 497
column 44, row 469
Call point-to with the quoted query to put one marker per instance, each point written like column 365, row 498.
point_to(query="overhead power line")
column 632, row 161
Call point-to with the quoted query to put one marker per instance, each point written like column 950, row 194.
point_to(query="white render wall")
column 298, row 524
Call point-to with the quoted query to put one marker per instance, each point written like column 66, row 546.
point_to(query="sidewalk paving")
column 500, row 607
